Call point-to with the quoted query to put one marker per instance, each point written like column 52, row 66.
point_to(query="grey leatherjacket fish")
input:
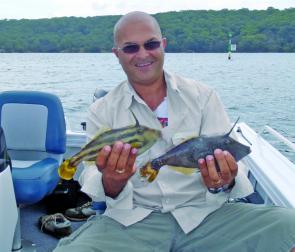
column 187, row 153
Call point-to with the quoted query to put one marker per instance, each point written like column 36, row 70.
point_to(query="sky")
column 34, row 9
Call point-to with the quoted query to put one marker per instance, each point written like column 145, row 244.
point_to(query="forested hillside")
column 268, row 30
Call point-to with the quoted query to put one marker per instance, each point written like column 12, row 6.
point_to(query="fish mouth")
column 66, row 170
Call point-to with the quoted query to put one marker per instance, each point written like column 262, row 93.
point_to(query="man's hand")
column 117, row 165
column 228, row 169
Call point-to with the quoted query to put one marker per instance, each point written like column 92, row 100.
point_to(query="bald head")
column 133, row 18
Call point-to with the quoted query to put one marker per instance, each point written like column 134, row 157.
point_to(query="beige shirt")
column 193, row 109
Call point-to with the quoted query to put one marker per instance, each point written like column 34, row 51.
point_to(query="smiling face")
column 144, row 67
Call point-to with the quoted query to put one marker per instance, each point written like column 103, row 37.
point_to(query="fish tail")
column 148, row 172
column 66, row 170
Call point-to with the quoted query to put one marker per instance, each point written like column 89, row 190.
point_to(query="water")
column 259, row 88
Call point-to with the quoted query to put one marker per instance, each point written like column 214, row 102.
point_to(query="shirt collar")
column 170, row 81
column 130, row 94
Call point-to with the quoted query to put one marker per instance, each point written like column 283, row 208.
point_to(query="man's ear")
column 115, row 51
column 164, row 42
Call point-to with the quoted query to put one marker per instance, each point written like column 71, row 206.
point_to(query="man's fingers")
column 204, row 171
column 213, row 174
column 114, row 156
column 123, row 158
column 131, row 161
column 102, row 157
column 225, row 171
column 227, row 164
column 203, row 167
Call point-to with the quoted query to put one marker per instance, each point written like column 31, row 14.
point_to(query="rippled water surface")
column 259, row 88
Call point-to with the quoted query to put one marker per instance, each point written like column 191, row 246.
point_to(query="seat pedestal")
column 20, row 244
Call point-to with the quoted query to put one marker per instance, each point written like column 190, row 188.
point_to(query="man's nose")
column 142, row 52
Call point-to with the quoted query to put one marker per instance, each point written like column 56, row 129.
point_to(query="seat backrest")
column 33, row 121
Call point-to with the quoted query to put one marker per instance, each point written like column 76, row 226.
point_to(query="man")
column 178, row 211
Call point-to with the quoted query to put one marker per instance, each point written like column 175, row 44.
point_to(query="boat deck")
column 31, row 231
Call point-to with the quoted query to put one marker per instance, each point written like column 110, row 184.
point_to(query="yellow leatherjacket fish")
column 138, row 136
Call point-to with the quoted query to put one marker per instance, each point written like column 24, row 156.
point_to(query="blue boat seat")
column 41, row 175
column 35, row 133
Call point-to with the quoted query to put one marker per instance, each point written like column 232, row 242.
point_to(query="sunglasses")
column 134, row 48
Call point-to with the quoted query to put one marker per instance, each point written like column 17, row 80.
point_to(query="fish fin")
column 136, row 121
column 153, row 176
column 100, row 132
column 137, row 145
column 227, row 134
column 183, row 140
column 189, row 138
column 148, row 173
column 184, row 170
